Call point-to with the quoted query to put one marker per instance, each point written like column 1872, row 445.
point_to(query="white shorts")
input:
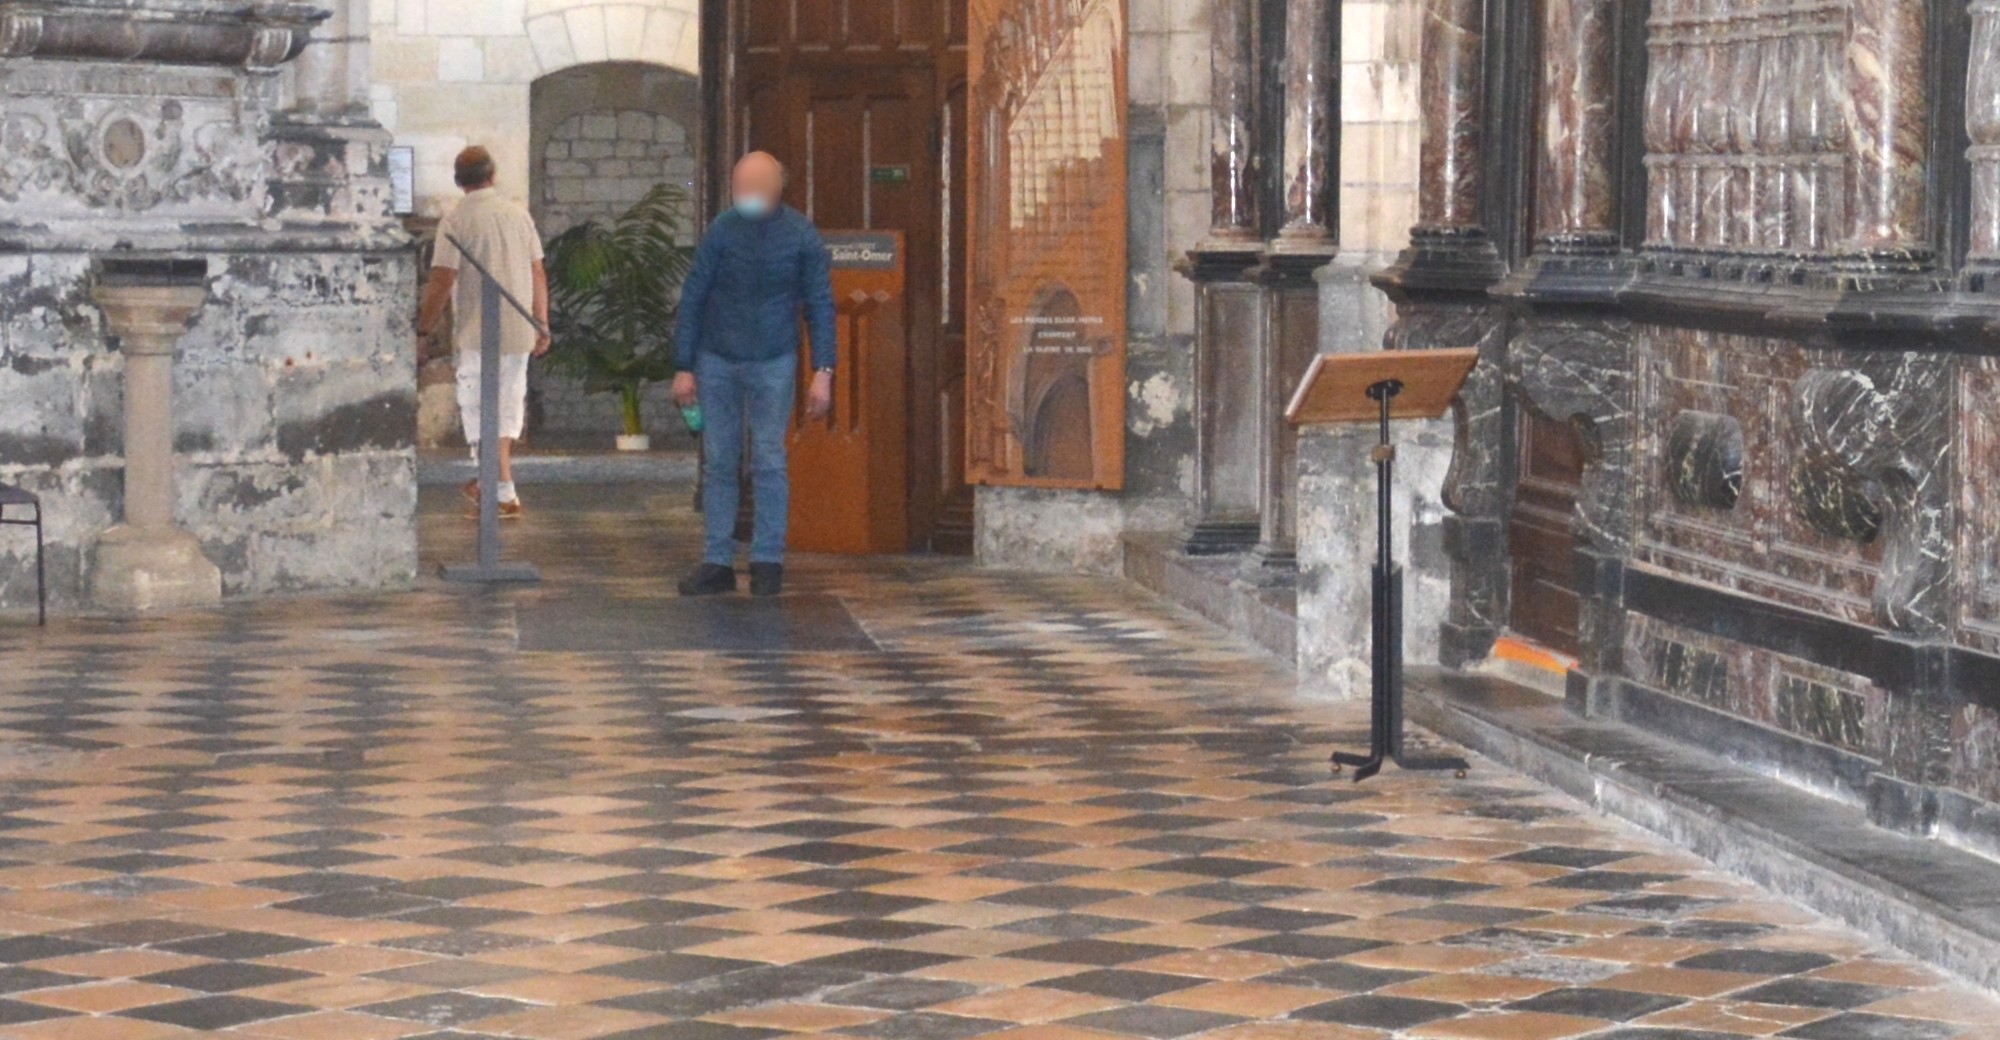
column 513, row 394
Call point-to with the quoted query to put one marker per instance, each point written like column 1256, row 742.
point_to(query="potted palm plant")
column 614, row 291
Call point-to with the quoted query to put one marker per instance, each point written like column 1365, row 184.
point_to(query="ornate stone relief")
column 1477, row 487
column 126, row 154
column 1874, row 461
column 1705, row 459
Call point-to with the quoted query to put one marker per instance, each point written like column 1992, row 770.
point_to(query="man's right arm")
column 694, row 298
column 437, row 294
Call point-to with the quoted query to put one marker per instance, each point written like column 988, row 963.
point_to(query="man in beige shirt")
column 499, row 234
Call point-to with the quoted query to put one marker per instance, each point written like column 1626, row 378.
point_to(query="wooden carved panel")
column 1046, row 351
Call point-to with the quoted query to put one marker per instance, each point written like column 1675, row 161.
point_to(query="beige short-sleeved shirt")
column 499, row 233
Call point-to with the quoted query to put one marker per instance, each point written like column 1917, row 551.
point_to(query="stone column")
column 146, row 562
column 332, row 76
column 1306, row 241
column 1232, row 115
column 1449, row 184
column 1982, row 122
column 1576, row 207
column 1888, row 131
column 1228, row 428
column 1311, row 127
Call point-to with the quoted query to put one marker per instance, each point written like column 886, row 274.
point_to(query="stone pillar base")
column 144, row 569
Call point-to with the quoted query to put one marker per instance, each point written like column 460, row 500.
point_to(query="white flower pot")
column 634, row 442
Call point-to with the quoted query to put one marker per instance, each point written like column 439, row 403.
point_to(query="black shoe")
column 709, row 579
column 767, row 579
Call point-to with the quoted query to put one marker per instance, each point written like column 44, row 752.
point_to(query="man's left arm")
column 816, row 288
column 541, row 307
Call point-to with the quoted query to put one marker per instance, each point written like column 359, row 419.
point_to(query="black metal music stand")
column 1382, row 386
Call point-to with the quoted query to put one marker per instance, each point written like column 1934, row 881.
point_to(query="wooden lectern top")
column 1335, row 389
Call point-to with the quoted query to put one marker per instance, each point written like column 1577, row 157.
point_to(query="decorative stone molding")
column 1478, row 487
column 1579, row 371
column 1705, row 460
column 1875, row 445
column 255, row 36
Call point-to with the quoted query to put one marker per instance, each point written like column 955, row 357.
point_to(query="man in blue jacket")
column 737, row 349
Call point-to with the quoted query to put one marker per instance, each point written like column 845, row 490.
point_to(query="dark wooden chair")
column 11, row 496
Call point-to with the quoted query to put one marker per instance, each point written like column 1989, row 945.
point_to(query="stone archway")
column 566, row 33
column 600, row 136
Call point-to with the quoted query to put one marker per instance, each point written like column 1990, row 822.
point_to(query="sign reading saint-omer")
column 1045, row 373
column 860, row 250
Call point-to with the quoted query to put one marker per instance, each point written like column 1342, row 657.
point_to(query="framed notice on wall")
column 402, row 180
column 1045, row 379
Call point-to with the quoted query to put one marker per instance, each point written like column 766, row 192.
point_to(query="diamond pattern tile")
column 916, row 801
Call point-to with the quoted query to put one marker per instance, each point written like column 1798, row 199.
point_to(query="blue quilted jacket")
column 751, row 280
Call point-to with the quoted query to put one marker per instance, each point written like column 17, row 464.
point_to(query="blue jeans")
column 761, row 396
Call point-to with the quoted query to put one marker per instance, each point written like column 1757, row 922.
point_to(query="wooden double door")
column 864, row 103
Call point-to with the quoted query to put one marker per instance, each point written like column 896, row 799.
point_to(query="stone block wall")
column 449, row 73
column 596, row 164
column 295, row 410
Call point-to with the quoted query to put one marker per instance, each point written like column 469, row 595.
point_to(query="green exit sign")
column 889, row 174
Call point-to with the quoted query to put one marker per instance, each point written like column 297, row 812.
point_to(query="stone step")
column 1936, row 903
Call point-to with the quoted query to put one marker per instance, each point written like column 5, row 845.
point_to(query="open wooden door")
column 864, row 102
column 849, row 491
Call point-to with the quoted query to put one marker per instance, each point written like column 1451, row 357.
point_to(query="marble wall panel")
column 1763, row 545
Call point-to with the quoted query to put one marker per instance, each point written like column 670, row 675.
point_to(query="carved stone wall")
column 295, row 387
column 1755, row 304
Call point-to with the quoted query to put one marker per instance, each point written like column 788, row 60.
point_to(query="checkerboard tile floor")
column 1036, row 808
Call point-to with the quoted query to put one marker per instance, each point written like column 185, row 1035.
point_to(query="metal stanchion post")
column 489, row 569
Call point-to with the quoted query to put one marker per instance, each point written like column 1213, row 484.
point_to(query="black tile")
column 215, row 1012
column 1102, row 953
column 1568, row 856
column 926, row 1025
column 1857, row 1025
column 1120, row 984
column 1308, row 947
column 1588, row 1002
column 1340, row 977
column 16, row 1012
column 856, row 904
column 225, row 976
column 240, row 946
column 1273, row 919
column 899, row 994
column 883, row 960
column 1609, row 880
column 1162, row 1023
column 1757, row 962
column 671, row 967
column 1425, row 887
column 1816, row 993
column 1054, row 897
column 23, row 948
column 1378, row 1012
column 694, row 1031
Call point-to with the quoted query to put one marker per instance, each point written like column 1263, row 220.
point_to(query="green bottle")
column 691, row 415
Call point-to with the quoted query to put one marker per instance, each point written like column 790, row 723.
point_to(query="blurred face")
column 755, row 185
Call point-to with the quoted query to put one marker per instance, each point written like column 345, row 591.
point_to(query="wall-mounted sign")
column 402, row 180
column 889, row 174
column 860, row 250
column 1045, row 356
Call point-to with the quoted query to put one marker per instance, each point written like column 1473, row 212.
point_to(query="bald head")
column 759, row 177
